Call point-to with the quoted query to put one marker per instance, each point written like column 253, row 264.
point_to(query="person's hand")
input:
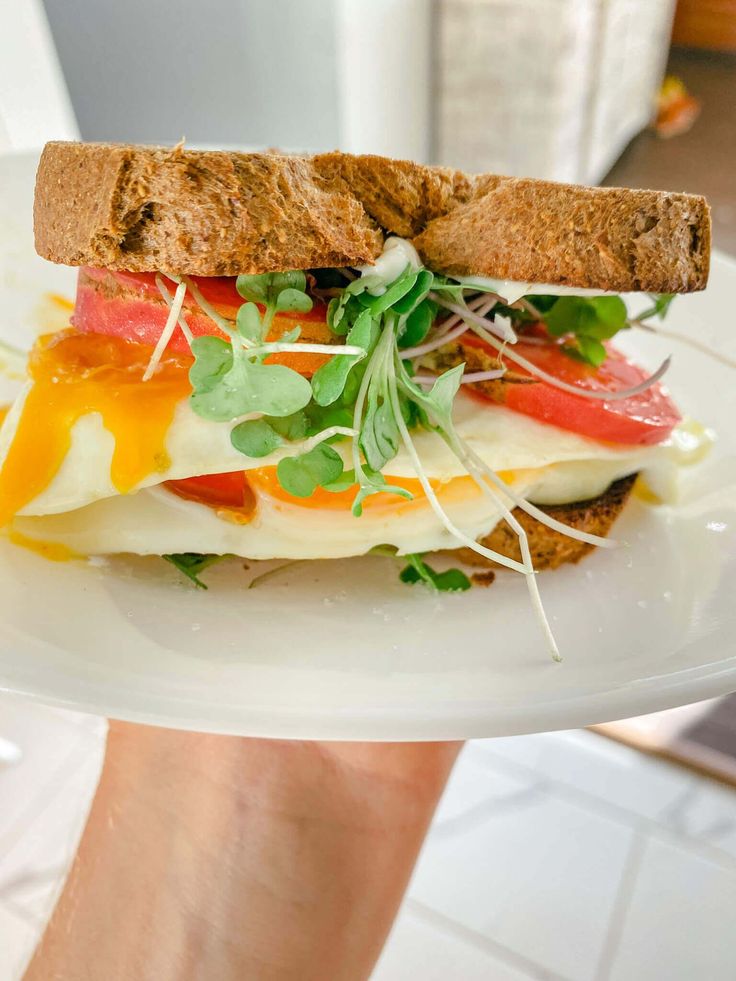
column 218, row 857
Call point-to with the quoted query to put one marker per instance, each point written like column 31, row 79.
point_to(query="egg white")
column 504, row 439
column 155, row 521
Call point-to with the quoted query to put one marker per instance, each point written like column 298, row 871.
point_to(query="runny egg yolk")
column 76, row 374
column 265, row 481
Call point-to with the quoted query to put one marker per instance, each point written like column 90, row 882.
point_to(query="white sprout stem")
column 436, row 342
column 458, row 447
column 358, row 416
column 690, row 341
column 168, row 300
column 480, row 304
column 328, row 433
column 529, row 307
column 225, row 325
column 505, row 332
column 615, row 396
column 465, row 455
column 462, row 450
column 166, row 333
column 432, row 497
column 276, row 348
column 445, row 334
column 480, row 376
column 531, row 509
column 469, row 378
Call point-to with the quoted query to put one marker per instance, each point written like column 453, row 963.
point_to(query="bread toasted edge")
column 220, row 213
column 551, row 549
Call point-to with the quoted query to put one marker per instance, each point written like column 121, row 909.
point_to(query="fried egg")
column 87, row 448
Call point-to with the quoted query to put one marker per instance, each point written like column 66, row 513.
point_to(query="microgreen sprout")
column 448, row 581
column 191, row 564
column 367, row 393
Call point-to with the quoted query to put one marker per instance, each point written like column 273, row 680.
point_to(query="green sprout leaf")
column 255, row 438
column 600, row 317
column 660, row 308
column 265, row 288
column 290, row 336
column 451, row 580
column 589, row 321
column 442, row 394
column 254, row 288
column 191, row 564
column 275, row 389
column 343, row 310
column 330, row 379
column 249, row 323
column 292, row 427
column 250, row 386
column 344, row 482
column 409, row 301
column 379, row 435
column 319, row 418
column 418, row 324
column 590, row 350
column 398, row 289
column 348, row 480
column 260, row 437
column 292, row 299
column 213, row 358
column 301, row 475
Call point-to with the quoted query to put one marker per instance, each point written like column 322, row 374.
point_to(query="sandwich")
column 301, row 358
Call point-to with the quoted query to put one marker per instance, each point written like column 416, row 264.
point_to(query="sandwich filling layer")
column 322, row 414
column 130, row 465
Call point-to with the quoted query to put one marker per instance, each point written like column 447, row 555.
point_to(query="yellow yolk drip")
column 643, row 492
column 75, row 374
column 52, row 551
column 61, row 301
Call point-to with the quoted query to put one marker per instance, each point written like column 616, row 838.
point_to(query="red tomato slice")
column 137, row 313
column 643, row 419
column 217, row 490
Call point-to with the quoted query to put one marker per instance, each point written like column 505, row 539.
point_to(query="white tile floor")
column 560, row 856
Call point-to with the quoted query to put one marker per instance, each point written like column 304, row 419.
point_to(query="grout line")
column 486, row 810
column 621, row 905
column 674, row 813
column 613, row 812
column 445, row 924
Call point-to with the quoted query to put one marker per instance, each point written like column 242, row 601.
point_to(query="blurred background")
column 617, row 855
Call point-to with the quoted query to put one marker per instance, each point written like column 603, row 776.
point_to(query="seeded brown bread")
column 215, row 213
column 550, row 549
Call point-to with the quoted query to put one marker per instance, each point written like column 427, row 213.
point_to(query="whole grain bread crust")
column 550, row 549
column 219, row 213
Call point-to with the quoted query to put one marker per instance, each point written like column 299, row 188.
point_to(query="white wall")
column 259, row 72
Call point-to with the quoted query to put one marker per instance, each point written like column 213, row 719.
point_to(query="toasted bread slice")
column 549, row 548
column 217, row 213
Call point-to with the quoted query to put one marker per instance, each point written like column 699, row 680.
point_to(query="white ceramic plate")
column 342, row 649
